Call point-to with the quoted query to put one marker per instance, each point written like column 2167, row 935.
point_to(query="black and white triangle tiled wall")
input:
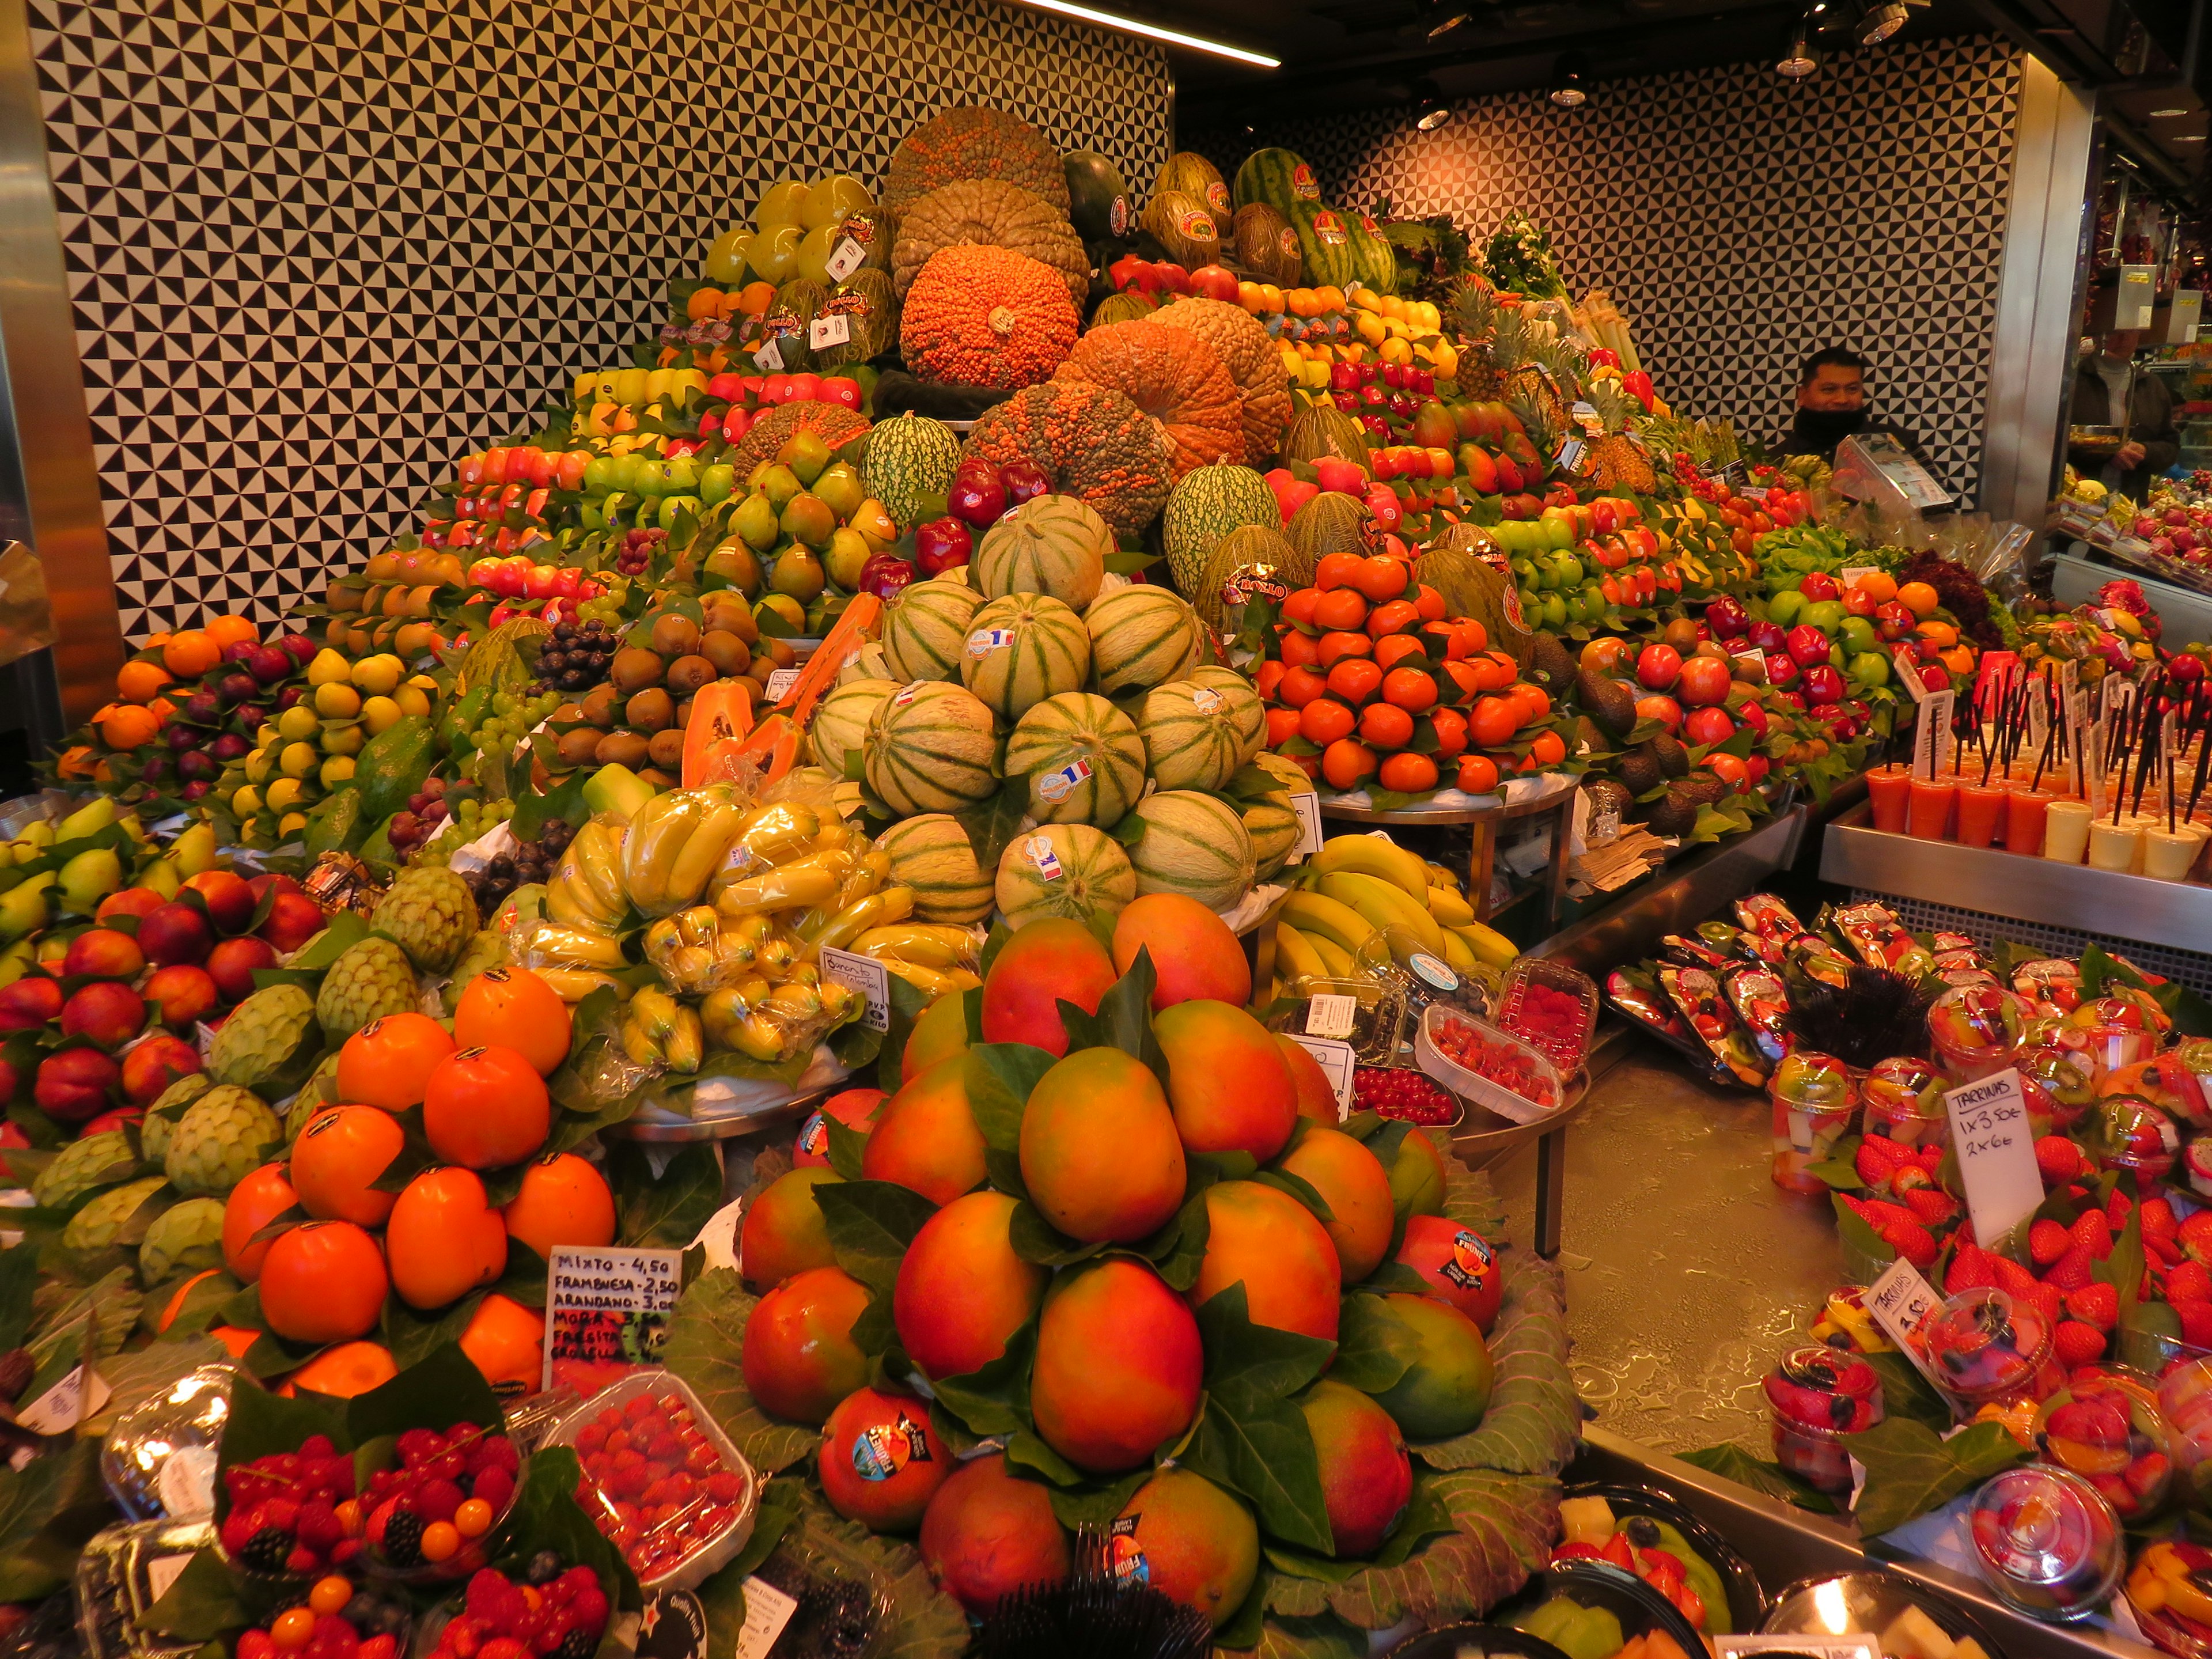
column 318, row 249
column 1740, row 221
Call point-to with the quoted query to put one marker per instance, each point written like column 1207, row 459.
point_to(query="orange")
column 1494, row 669
column 1354, row 679
column 1534, row 702
column 1300, row 687
column 507, row 1341
column 1299, row 607
column 1300, row 650
column 1266, row 678
column 337, row 1155
column 140, row 682
column 1408, row 774
column 564, row 1201
column 1478, row 773
column 756, row 297
column 1942, row 633
column 1451, row 731
column 388, row 1061
column 1282, row 726
column 1324, row 720
column 1547, row 749
column 126, row 725
column 1385, row 725
column 322, row 1282
column 486, row 1106
column 1334, row 647
column 227, row 631
column 342, row 1372
column 1430, row 603
column 1918, row 598
column 252, row 1205
column 1381, row 577
column 1410, row 688
column 1474, row 637
column 1879, row 585
column 1339, row 608
column 1492, row 721
column 1392, row 616
column 704, row 302
column 513, row 1006
column 1347, row 764
column 444, row 1238
column 1395, row 646
column 190, row 654
column 1337, row 570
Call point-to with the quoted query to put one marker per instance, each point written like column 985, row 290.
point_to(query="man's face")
column 1834, row 390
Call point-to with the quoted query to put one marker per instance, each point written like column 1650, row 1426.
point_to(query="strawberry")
column 1876, row 1161
column 1910, row 1178
column 1971, row 1270
column 2162, row 1252
column 2012, row 1279
column 2189, row 1281
column 2094, row 1233
column 2117, row 1207
column 2077, row 1344
column 2071, row 1271
column 2158, row 1220
column 2147, row 1473
column 2059, row 1159
column 1934, row 1209
column 2049, row 1301
column 2196, row 1323
column 2196, row 1236
column 2095, row 1304
column 1931, row 1156
column 2046, row 1241
column 1908, row 1238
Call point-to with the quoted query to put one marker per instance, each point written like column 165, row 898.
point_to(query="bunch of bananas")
column 658, row 1031
column 586, row 888
column 1364, row 897
column 933, row 956
column 677, row 843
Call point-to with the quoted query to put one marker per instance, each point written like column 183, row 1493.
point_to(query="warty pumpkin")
column 837, row 425
column 973, row 143
column 987, row 317
column 1242, row 343
column 1175, row 378
column 1092, row 442
column 989, row 213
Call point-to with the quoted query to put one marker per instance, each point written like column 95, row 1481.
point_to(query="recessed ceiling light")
column 1799, row 56
column 1569, row 89
column 1106, row 20
column 2157, row 114
column 1430, row 110
column 1883, row 18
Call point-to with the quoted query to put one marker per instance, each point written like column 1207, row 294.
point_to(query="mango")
column 1099, row 1151
column 925, row 1138
column 1260, row 1237
column 1044, row 964
column 1227, row 1082
column 987, row 1533
column 1366, row 1476
column 1119, row 1366
column 799, row 1356
column 1192, row 1541
column 783, row 1233
column 1356, row 1188
column 961, row 1290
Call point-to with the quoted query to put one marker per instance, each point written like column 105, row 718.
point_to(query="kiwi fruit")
column 729, row 615
column 600, row 705
column 686, row 674
column 779, row 652
column 634, row 669
column 621, row 749
column 675, row 636
column 667, row 749
column 651, row 710
column 578, row 745
column 729, row 653
column 1681, row 634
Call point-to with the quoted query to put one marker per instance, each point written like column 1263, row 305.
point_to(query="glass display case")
column 2188, row 376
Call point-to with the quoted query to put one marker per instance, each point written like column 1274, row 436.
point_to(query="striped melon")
column 1054, row 544
column 1185, row 226
column 909, row 466
column 1192, row 844
column 1082, row 757
column 1206, row 503
column 1295, row 780
column 925, row 629
column 1141, row 636
column 1333, row 522
column 1322, row 430
column 1127, row 306
column 1021, row 649
column 1199, row 730
column 1069, row 870
column 1252, row 559
column 1189, row 173
column 1266, row 244
column 841, row 722
column 932, row 748
column 933, row 856
column 1273, row 827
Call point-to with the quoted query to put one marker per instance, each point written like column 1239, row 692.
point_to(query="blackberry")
column 403, row 1538
column 577, row 1644
column 544, row 1567
column 266, row 1550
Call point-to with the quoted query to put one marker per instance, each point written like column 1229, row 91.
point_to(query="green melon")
column 1097, row 197
column 1206, row 503
column 1069, row 870
column 1274, row 827
column 1200, row 729
column 909, row 466
column 1245, row 561
column 1083, row 757
column 1141, row 636
column 1055, row 546
column 1188, row 173
column 1185, row 226
column 1325, row 430
column 1129, row 307
column 1021, row 649
column 931, row 747
column 870, row 306
column 841, row 722
column 1333, row 522
column 796, row 305
column 1278, row 178
column 1266, row 244
column 931, row 854
column 925, row 629
column 1192, row 844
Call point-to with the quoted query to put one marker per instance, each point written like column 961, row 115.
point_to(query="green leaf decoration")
column 1096, row 1503
column 1027, row 1450
column 1005, row 1171
column 1300, row 1189
column 1374, row 1347
column 998, row 1077
column 723, row 1596
column 1535, row 1417
column 1035, row 1239
column 870, row 1224
column 2123, row 1268
column 1911, row 1471
column 48, row 1508
column 992, row 823
column 1733, row 1462
column 1469, row 1199
column 994, row 1399
column 1266, row 1454
column 547, row 1516
column 847, row 1144
column 1323, row 1636
column 202, row 1602
column 443, row 1388
column 1125, row 1015
column 1906, row 1393
column 1249, row 1366
column 1177, row 1251
column 706, row 1348
column 1504, row 1525
column 666, row 1213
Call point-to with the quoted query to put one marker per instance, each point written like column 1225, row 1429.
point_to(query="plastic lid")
column 2042, row 1527
column 1976, row 1020
column 1984, row 1344
column 1826, row 1390
column 1816, row 1081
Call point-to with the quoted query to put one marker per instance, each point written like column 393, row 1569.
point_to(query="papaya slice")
column 721, row 713
column 853, row 629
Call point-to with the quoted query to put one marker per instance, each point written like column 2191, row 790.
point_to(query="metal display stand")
column 1481, row 824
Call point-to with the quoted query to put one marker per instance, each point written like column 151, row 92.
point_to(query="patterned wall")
column 320, row 247
column 1741, row 222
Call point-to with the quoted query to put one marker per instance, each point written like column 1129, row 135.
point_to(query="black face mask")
column 1823, row 428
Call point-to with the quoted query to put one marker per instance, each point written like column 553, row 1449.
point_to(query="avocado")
column 1591, row 737
column 1638, row 772
column 1674, row 759
column 1705, row 789
column 1608, row 702
column 1672, row 816
column 1549, row 665
column 1608, row 797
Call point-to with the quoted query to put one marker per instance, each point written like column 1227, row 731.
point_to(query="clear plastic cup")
column 2047, row 1543
column 1815, row 1104
column 1977, row 1030
column 1817, row 1396
column 1904, row 1100
column 1986, row 1348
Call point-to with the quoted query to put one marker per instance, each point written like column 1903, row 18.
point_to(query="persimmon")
column 1478, row 773
column 1299, row 650
column 1391, row 617
column 1451, row 731
column 342, row 1372
column 1282, row 726
column 486, row 1106
column 322, row 1282
column 1410, row 688
column 563, row 1200
column 1547, row 749
column 1492, row 721
column 1381, row 577
column 1337, row 570
column 1347, row 764
column 507, row 1341
column 1454, row 642
column 1300, row 687
column 388, row 1062
column 444, row 1238
column 1266, row 677
column 337, row 1157
column 1429, row 603
column 1334, row 648
column 1535, row 702
column 1299, row 606
column 256, row 1201
column 1340, row 608
column 1395, row 649
column 1495, row 671
column 514, row 1007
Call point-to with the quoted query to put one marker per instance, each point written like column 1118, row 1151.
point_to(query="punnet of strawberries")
column 1506, row 1064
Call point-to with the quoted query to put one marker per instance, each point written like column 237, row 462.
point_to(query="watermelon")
column 1192, row 844
column 1097, row 199
column 1206, row 503
column 932, row 854
column 1141, row 636
column 925, row 629
column 1199, row 730
column 841, row 722
column 1378, row 263
column 1274, row 827
column 1325, row 430
column 1021, row 649
column 1333, row 522
column 1325, row 245
column 1279, row 177
column 1069, row 870
column 1083, row 757
column 909, row 465
column 1054, row 544
column 932, row 748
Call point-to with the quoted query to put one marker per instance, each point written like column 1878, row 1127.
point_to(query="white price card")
column 1995, row 1148
column 1908, row 673
column 1307, row 805
column 768, row 1610
column 769, row 358
column 1931, row 738
column 1852, row 574
column 846, row 260
column 2117, row 693
column 164, row 1571
column 1818, row 1647
column 69, row 1402
column 1337, row 1062
column 606, row 1312
column 2038, row 714
column 832, row 331
column 780, row 681
column 1331, row 1016
column 866, row 977
column 1899, row 1300
column 1752, row 661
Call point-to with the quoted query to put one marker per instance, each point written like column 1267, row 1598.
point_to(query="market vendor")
column 1832, row 406
column 2108, row 391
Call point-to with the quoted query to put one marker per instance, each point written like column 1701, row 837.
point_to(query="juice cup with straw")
column 2024, row 811
column 1889, row 787
column 1928, row 816
column 1981, row 813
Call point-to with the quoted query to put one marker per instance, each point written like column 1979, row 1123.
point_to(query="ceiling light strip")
column 1106, row 20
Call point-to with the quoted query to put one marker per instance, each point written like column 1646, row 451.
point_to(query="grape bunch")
column 513, row 713
column 471, row 817
column 531, row 862
column 638, row 549
column 425, row 814
column 575, row 658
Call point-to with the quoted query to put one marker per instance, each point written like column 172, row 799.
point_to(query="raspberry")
column 2071, row 1271
column 317, row 1527
column 2196, row 1323
column 436, row 1500
column 242, row 1524
column 2077, row 1344
column 2093, row 1233
column 502, row 1647
column 2058, row 1158
column 1934, row 1209
column 2046, row 1241
column 495, row 1600
column 317, row 1445
column 302, row 1560
column 418, row 1445
column 2095, row 1304
column 495, row 1485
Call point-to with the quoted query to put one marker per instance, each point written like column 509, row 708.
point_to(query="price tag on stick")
column 1931, row 738
column 1337, row 1061
column 1899, row 1300
column 1307, row 805
column 1995, row 1148
column 865, row 976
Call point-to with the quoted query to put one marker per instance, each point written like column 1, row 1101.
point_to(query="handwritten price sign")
column 1996, row 1154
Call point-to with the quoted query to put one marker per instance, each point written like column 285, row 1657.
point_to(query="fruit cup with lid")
column 2115, row 1032
column 1986, row 1347
column 1904, row 1100
column 2058, row 1084
column 2130, row 1133
column 1815, row 1102
column 660, row 1480
column 2046, row 1543
column 2106, row 1426
column 1817, row 1396
column 2170, row 1591
column 1977, row 1030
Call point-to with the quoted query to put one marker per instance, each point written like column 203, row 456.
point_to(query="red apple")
column 131, row 902
column 1024, row 480
column 182, row 994
column 1823, row 684
column 886, row 575
column 231, row 965
column 1756, row 766
column 264, row 884
column 1772, row 635
column 1337, row 474
column 76, row 1084
column 1808, row 645
column 103, row 953
column 104, row 1013
column 1819, row 584
column 1893, row 621
column 1665, row 710
column 29, row 1003
column 1781, row 668
column 1214, row 282
column 942, row 545
column 293, row 920
column 1859, row 602
column 1730, row 769
column 153, row 1064
column 1708, row 725
column 976, row 500
column 116, row 1117
column 1658, row 667
column 1935, row 676
column 1728, row 618
column 175, row 932
column 1752, row 714
column 1703, row 681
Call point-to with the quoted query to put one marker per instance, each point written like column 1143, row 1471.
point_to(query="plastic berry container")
column 1977, row 1030
column 121, row 1572
column 425, row 1558
column 703, row 1530
column 1553, row 1008
column 1515, row 1080
column 1904, row 1100
column 159, row 1459
column 2046, row 1543
column 1818, row 1396
column 1366, row 1010
column 2107, row 1426
column 2136, row 1135
column 1988, row 1348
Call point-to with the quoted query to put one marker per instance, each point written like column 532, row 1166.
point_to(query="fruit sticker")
column 1328, row 230
column 814, row 1137
column 1301, row 184
column 1289, row 239
column 882, row 1449
column 984, row 641
column 1038, row 850
column 1197, row 224
column 1216, row 197
column 848, row 257
column 1367, row 223
column 1249, row 581
column 1117, row 215
column 1057, row 786
column 1206, row 700
column 1128, row 1555
column 1471, row 1262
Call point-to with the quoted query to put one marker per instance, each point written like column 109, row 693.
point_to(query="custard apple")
column 162, row 1116
column 485, row 950
column 85, row 1166
column 372, row 979
column 113, row 1218
column 224, row 1137
column 319, row 1090
column 431, row 913
column 268, row 1042
column 185, row 1237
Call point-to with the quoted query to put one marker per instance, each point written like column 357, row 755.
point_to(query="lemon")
column 247, row 801
column 338, row 769
column 380, row 714
column 377, row 675
column 343, row 740
column 290, row 825
column 329, row 668
column 298, row 723
column 298, row 760
column 335, row 702
column 259, row 763
column 411, row 699
column 281, row 793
